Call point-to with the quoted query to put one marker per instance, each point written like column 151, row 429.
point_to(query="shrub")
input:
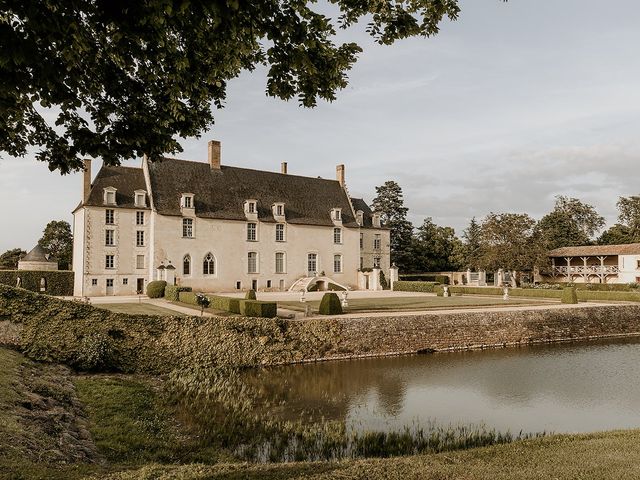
column 251, row 295
column 330, row 305
column 439, row 290
column 94, row 353
column 255, row 308
column 443, row 279
column 569, row 295
column 156, row 288
column 425, row 287
column 631, row 296
column 187, row 297
column 172, row 292
column 59, row 282
column 425, row 277
column 383, row 281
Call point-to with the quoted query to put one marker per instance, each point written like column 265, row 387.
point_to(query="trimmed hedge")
column 569, row 295
column 156, row 288
column 330, row 305
column 609, row 296
column 59, row 282
column 405, row 286
column 255, row 308
column 607, row 287
column 251, row 295
column 423, row 277
column 172, row 292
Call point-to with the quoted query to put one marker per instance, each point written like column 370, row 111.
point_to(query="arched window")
column 209, row 265
column 186, row 265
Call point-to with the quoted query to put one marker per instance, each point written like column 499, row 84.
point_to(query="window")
column 337, row 214
column 362, row 240
column 312, row 263
column 94, row 282
column 139, row 261
column 337, row 264
column 186, row 265
column 109, row 261
column 139, row 218
column 251, row 207
column 638, row 265
column 140, row 238
column 140, row 199
column 108, row 237
column 280, row 210
column 187, row 202
column 280, row 232
column 252, row 262
column 187, row 227
column 251, row 232
column 209, row 265
column 125, row 281
column 109, row 216
column 376, row 262
column 280, row 262
column 337, row 235
column 361, row 263
column 110, row 198
column 376, row 220
column 268, row 283
column 238, row 285
column 377, row 242
column 109, row 282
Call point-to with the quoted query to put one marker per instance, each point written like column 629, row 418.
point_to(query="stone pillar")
column 482, row 278
column 393, row 275
column 500, row 276
column 468, row 276
column 374, row 280
column 362, row 280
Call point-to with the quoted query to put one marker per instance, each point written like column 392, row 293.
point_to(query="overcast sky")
column 507, row 107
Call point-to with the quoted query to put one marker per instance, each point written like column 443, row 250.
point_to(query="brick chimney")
column 340, row 174
column 283, row 168
column 86, row 179
column 214, row 154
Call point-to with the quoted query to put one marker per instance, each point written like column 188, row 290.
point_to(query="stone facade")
column 195, row 218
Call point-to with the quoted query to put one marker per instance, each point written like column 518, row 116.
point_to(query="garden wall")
column 58, row 282
column 50, row 329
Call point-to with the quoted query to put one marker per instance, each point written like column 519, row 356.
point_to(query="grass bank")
column 138, row 308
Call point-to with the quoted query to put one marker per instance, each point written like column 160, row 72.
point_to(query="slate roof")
column 37, row 254
column 221, row 193
column 596, row 250
column 126, row 180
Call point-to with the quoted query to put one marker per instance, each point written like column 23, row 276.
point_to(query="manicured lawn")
column 139, row 309
column 417, row 303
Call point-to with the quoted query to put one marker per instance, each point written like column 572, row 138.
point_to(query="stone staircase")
column 305, row 282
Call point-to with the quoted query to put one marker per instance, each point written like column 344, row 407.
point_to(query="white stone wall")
column 226, row 240
column 368, row 252
column 628, row 266
column 94, row 251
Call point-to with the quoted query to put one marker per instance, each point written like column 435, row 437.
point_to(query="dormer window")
column 360, row 217
column 336, row 215
column 278, row 210
column 251, row 207
column 141, row 198
column 110, row 196
column 186, row 201
column 376, row 220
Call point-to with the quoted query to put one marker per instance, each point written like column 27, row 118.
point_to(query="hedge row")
column 422, row 277
column 406, row 286
column 58, row 282
column 247, row 308
column 583, row 295
column 171, row 292
column 90, row 338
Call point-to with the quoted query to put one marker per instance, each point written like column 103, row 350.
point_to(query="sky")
column 506, row 108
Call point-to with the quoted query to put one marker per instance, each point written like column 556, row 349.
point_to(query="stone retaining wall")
column 402, row 334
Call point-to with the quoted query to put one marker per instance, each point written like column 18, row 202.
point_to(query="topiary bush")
column 255, row 308
column 251, row 295
column 172, row 292
column 405, row 286
column 330, row 305
column 156, row 288
column 569, row 295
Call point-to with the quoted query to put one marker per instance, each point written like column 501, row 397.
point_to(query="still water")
column 555, row 388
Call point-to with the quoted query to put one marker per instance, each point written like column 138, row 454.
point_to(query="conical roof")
column 37, row 254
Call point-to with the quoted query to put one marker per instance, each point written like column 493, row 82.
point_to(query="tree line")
column 513, row 241
column 57, row 242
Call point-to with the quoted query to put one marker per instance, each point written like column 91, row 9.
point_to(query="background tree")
column 390, row 203
column 616, row 235
column 122, row 79
column 9, row 259
column 507, row 241
column 471, row 241
column 57, row 241
column 435, row 248
column 629, row 216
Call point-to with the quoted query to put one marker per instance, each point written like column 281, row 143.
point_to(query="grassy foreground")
column 138, row 309
column 610, row 455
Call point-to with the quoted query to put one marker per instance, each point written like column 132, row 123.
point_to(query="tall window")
column 251, row 231
column 252, row 262
column 280, row 262
column 140, row 261
column 361, row 263
column 139, row 218
column 111, row 197
column 187, row 202
column 337, row 264
column 186, row 265
column 337, row 235
column 377, row 242
column 362, row 240
column 140, row 199
column 187, row 227
column 109, row 261
column 312, row 263
column 209, row 265
column 280, row 232
column 252, row 207
column 140, row 238
column 337, row 214
column 108, row 237
column 280, row 210
column 376, row 262
column 109, row 216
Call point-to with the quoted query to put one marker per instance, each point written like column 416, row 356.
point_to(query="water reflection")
column 561, row 388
